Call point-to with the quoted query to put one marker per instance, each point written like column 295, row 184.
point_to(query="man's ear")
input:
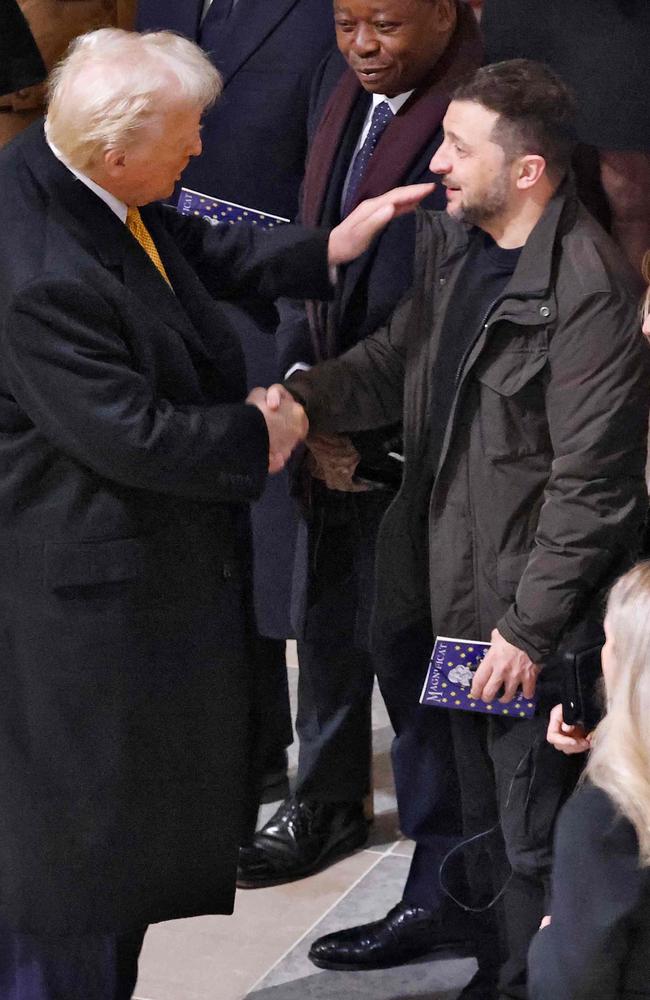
column 114, row 162
column 531, row 168
column 446, row 12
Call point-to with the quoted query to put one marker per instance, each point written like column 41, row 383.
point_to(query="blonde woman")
column 597, row 943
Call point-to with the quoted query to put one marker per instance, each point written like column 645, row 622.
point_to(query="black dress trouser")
column 335, row 578
column 513, row 783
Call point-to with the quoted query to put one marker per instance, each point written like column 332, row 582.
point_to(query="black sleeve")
column 71, row 372
column 597, row 883
column 242, row 260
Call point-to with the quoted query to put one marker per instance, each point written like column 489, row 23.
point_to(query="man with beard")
column 518, row 371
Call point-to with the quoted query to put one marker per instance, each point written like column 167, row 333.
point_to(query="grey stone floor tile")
column 441, row 980
column 370, row 899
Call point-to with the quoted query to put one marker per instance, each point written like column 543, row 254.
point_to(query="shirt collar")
column 394, row 103
column 109, row 199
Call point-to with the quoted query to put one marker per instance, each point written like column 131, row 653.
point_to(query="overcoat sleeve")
column 72, row 374
column 597, row 883
column 243, row 261
column 363, row 389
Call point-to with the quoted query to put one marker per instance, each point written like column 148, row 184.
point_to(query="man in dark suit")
column 128, row 453
column 254, row 148
column 384, row 110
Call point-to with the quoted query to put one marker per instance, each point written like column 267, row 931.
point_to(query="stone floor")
column 260, row 953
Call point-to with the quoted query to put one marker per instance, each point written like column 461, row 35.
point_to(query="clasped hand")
column 286, row 422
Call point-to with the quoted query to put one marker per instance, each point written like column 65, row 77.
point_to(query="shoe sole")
column 453, row 949
column 336, row 853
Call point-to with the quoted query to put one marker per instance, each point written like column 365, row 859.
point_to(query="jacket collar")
column 533, row 276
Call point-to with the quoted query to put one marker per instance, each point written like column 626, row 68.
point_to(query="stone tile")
column 371, row 898
column 441, row 980
column 403, row 848
column 292, row 653
column 206, row 958
column 295, row 977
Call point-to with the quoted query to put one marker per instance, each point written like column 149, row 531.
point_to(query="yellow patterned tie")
column 143, row 236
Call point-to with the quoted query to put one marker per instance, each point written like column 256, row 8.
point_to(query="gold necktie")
column 143, row 236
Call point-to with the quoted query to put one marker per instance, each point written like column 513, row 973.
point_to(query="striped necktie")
column 137, row 227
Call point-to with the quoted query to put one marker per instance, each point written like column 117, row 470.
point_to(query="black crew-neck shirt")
column 485, row 274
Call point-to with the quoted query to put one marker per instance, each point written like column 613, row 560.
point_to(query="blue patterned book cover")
column 449, row 679
column 216, row 210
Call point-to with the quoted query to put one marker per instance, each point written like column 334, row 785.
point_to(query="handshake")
column 332, row 457
column 286, row 422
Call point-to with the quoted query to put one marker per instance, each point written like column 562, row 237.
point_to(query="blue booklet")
column 216, row 210
column 449, row 679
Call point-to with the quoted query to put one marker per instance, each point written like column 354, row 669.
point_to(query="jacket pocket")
column 511, row 405
column 508, row 373
column 87, row 564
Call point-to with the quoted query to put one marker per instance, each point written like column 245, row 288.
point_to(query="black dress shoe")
column 301, row 838
column 405, row 932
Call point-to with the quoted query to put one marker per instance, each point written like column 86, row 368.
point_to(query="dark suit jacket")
column 255, row 138
column 598, row 944
column 127, row 457
column 369, row 289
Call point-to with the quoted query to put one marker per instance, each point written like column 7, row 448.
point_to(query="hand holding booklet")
column 449, row 680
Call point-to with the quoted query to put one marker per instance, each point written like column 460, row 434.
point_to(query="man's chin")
column 456, row 212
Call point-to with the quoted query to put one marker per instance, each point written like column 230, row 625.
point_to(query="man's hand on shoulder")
column 504, row 666
column 286, row 422
column 356, row 232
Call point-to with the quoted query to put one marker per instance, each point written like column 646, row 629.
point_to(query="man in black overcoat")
column 128, row 453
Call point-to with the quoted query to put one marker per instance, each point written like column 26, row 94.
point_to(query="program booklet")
column 449, row 679
column 216, row 210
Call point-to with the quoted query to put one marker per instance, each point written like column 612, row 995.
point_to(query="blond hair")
column 645, row 270
column 113, row 85
column 619, row 762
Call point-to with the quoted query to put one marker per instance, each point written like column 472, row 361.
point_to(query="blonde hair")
column 645, row 270
column 112, row 85
column 619, row 762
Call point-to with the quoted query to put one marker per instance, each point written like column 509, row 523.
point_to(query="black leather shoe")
column 405, row 932
column 301, row 838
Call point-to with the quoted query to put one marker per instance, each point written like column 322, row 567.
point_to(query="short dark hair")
column 536, row 110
